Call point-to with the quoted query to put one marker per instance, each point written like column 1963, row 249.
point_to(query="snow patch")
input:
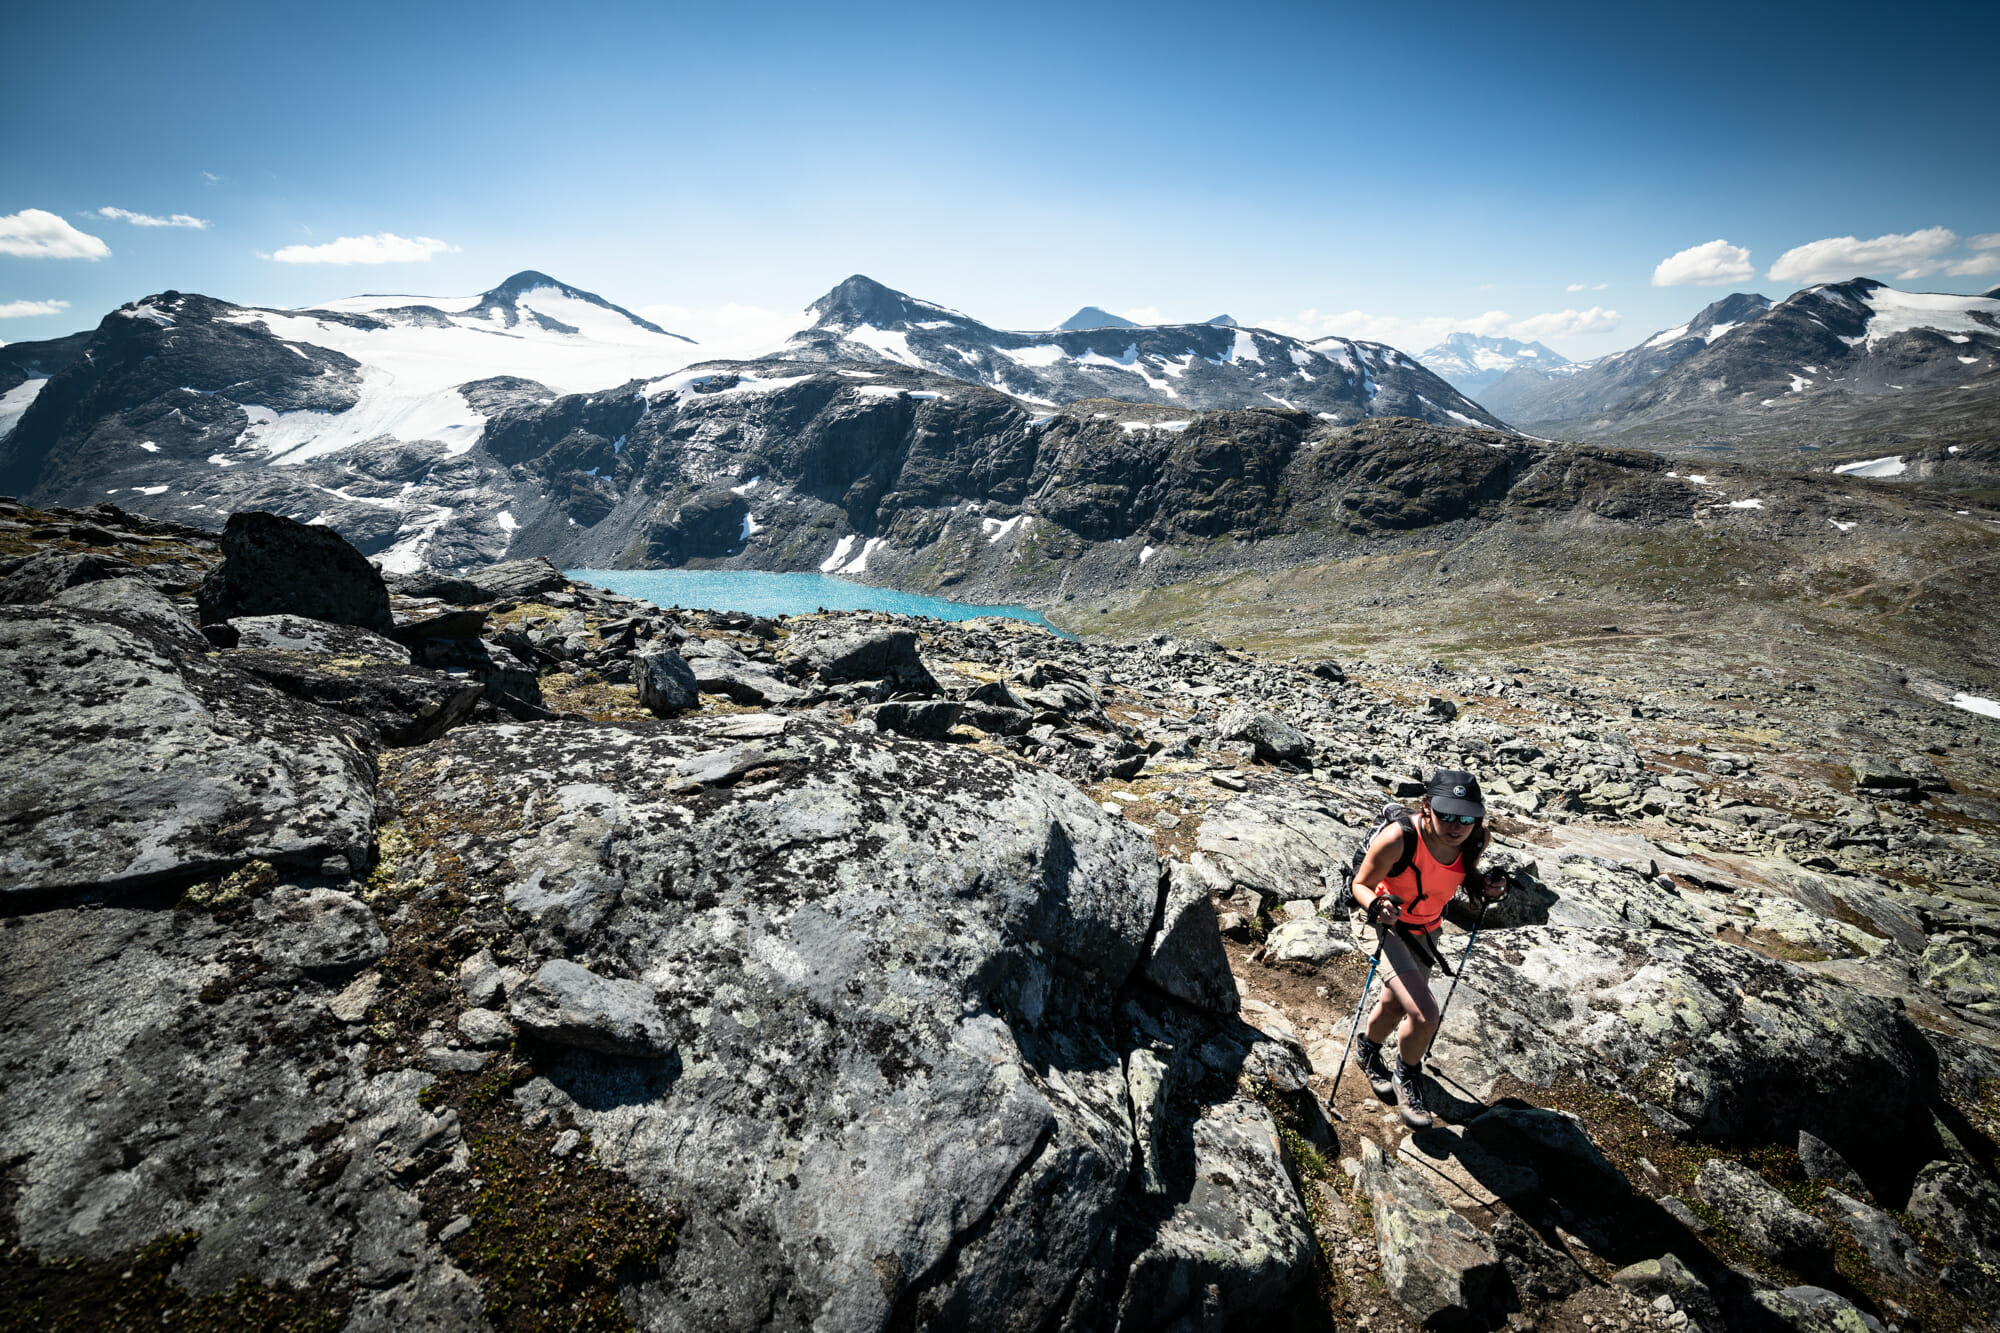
column 746, row 487
column 1245, row 347
column 1972, row 703
column 1844, row 527
column 149, row 490
column 14, row 403
column 859, row 564
column 1899, row 312
column 995, row 528
column 1893, row 466
column 839, row 556
column 147, row 445
column 1036, row 357
column 1146, row 553
column 1746, row 504
column 891, row 343
column 751, row 527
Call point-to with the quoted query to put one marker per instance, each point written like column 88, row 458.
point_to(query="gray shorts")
column 1400, row 959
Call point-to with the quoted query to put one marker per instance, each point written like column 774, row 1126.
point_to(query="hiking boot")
column 1368, row 1055
column 1410, row 1098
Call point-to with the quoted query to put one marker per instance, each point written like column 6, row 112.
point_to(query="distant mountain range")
column 1854, row 368
column 1471, row 362
column 1539, row 395
column 1198, row 367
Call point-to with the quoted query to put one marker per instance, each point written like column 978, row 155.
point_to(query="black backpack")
column 1395, row 812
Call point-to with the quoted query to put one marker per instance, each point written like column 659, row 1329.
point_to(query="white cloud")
column 730, row 331
column 149, row 220
column 23, row 309
column 386, row 248
column 1421, row 333
column 1587, row 286
column 1145, row 315
column 1708, row 265
column 1985, row 259
column 1564, row 323
column 34, row 234
column 1916, row 254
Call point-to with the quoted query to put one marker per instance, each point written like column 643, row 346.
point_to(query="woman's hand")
column 1384, row 910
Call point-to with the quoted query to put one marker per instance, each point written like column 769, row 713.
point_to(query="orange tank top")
column 1426, row 886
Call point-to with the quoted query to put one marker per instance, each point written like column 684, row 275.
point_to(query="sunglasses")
column 1467, row 820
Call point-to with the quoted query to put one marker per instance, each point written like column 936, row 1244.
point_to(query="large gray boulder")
column 272, row 565
column 1961, row 1208
column 1276, row 740
column 1437, row 1266
column 1765, row 1218
column 1889, row 1248
column 887, row 975
column 667, row 683
column 1185, row 957
column 1738, row 1046
column 400, row 704
column 573, row 1006
column 1283, row 845
column 838, row 654
column 128, row 759
column 46, row 573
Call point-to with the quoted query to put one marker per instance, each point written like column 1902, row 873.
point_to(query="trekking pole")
column 1484, row 903
column 1341, row 1072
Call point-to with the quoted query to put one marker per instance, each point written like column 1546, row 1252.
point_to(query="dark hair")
column 1475, row 846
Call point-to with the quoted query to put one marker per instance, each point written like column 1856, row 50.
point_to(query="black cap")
column 1455, row 793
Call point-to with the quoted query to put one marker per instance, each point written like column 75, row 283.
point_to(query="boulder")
column 1961, row 1208
column 1277, row 741
column 837, row 655
column 299, row 634
column 1438, row 1266
column 1667, row 1276
column 1765, row 1218
column 1889, row 1248
column 667, row 683
column 1185, row 957
column 134, row 602
column 1538, row 1270
column 574, row 1006
column 42, row 575
column 485, row 1027
column 324, row 933
column 273, row 565
column 928, row 721
column 890, row 984
column 1280, row 844
column 1873, row 770
column 997, row 710
column 132, row 760
column 1311, row 940
column 1813, row 1310
column 1737, row 1046
column 742, row 682
column 400, row 704
column 1821, row 1162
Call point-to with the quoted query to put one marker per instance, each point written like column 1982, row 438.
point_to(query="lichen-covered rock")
column 886, row 972
column 399, row 703
column 930, row 720
column 573, row 1006
column 1185, row 957
column 301, row 634
column 1765, row 1218
column 327, row 934
column 1437, row 1265
column 667, row 684
column 839, row 654
column 134, row 601
column 1311, row 940
column 1668, row 1276
column 1889, row 1248
column 129, row 759
column 1276, row 740
column 43, row 575
column 1284, row 846
column 1736, row 1045
column 272, row 565
column 1811, row 1310
column 1961, row 1208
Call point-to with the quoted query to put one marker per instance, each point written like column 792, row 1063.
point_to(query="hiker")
column 1406, row 910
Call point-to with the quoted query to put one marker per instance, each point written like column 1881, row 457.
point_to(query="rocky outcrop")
column 1437, row 1265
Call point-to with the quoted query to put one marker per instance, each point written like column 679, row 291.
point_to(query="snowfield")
column 411, row 371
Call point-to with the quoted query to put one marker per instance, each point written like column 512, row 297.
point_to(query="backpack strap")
column 1409, row 852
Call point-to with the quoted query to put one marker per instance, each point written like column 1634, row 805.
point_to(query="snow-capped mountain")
column 1193, row 366
column 1538, row 396
column 1470, row 362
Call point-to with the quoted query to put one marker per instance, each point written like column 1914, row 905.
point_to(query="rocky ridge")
column 766, row 1013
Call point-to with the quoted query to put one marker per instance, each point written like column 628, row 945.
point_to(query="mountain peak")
column 862, row 300
column 1223, row 322
column 1095, row 317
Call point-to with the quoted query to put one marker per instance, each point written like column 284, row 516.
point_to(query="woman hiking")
column 1406, row 909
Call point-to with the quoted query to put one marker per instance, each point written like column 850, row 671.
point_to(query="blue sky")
column 1378, row 170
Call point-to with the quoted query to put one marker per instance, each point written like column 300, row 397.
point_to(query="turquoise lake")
column 762, row 594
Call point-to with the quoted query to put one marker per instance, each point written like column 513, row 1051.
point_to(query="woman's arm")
column 1382, row 854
